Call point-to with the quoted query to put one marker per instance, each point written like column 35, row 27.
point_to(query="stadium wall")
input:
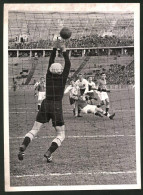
column 30, row 52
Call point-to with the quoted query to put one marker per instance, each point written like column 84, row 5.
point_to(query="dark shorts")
column 72, row 101
column 51, row 110
column 91, row 96
column 82, row 91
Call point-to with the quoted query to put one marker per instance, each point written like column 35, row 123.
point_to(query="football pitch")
column 96, row 151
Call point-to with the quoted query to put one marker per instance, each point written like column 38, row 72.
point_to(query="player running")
column 51, row 107
column 91, row 93
column 103, row 92
column 40, row 91
column 73, row 91
column 82, row 83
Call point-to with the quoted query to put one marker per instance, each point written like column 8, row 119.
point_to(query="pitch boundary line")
column 79, row 136
column 66, row 111
column 78, row 173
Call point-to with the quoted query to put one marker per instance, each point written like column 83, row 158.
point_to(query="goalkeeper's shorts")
column 51, row 110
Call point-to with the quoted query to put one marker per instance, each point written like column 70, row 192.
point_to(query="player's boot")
column 98, row 114
column 48, row 156
column 21, row 152
column 112, row 116
column 79, row 115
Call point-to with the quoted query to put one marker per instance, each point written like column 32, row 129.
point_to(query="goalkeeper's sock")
column 53, row 147
column 26, row 142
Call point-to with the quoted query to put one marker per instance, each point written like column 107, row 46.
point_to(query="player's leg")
column 60, row 130
column 99, row 110
column 102, row 103
column 58, row 123
column 42, row 117
column 28, row 138
column 72, row 102
column 77, row 111
column 107, row 105
column 41, row 97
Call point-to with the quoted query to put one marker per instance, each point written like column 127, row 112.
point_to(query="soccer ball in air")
column 65, row 33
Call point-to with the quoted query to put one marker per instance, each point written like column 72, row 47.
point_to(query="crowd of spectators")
column 99, row 41
column 82, row 42
column 117, row 74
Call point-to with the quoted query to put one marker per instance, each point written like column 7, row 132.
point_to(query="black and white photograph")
column 72, row 96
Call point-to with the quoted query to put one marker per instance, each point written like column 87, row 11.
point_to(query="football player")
column 73, row 91
column 102, row 93
column 91, row 93
column 87, row 108
column 40, row 91
column 82, row 83
column 51, row 107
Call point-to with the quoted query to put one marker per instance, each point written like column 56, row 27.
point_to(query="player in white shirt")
column 82, row 83
column 40, row 91
column 103, row 94
column 73, row 91
column 91, row 93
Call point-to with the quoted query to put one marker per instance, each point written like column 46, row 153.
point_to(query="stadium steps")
column 74, row 76
column 31, row 73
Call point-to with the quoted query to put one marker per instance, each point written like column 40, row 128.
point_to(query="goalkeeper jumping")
column 51, row 107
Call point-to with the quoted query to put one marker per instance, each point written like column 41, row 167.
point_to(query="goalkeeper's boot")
column 48, row 156
column 21, row 152
column 112, row 116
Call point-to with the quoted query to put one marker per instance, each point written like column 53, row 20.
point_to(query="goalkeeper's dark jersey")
column 55, row 84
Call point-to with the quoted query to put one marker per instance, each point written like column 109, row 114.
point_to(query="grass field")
column 96, row 151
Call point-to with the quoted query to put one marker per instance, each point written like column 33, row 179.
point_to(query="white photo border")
column 90, row 7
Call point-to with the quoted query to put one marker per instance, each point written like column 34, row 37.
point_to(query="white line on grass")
column 81, row 136
column 78, row 173
column 66, row 111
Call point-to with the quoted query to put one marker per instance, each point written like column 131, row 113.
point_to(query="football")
column 65, row 33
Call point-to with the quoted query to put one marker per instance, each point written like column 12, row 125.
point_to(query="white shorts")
column 41, row 96
column 89, row 109
column 103, row 96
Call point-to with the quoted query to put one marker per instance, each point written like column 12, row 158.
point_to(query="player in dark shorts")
column 51, row 107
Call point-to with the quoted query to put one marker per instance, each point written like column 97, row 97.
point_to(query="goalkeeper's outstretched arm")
column 52, row 57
